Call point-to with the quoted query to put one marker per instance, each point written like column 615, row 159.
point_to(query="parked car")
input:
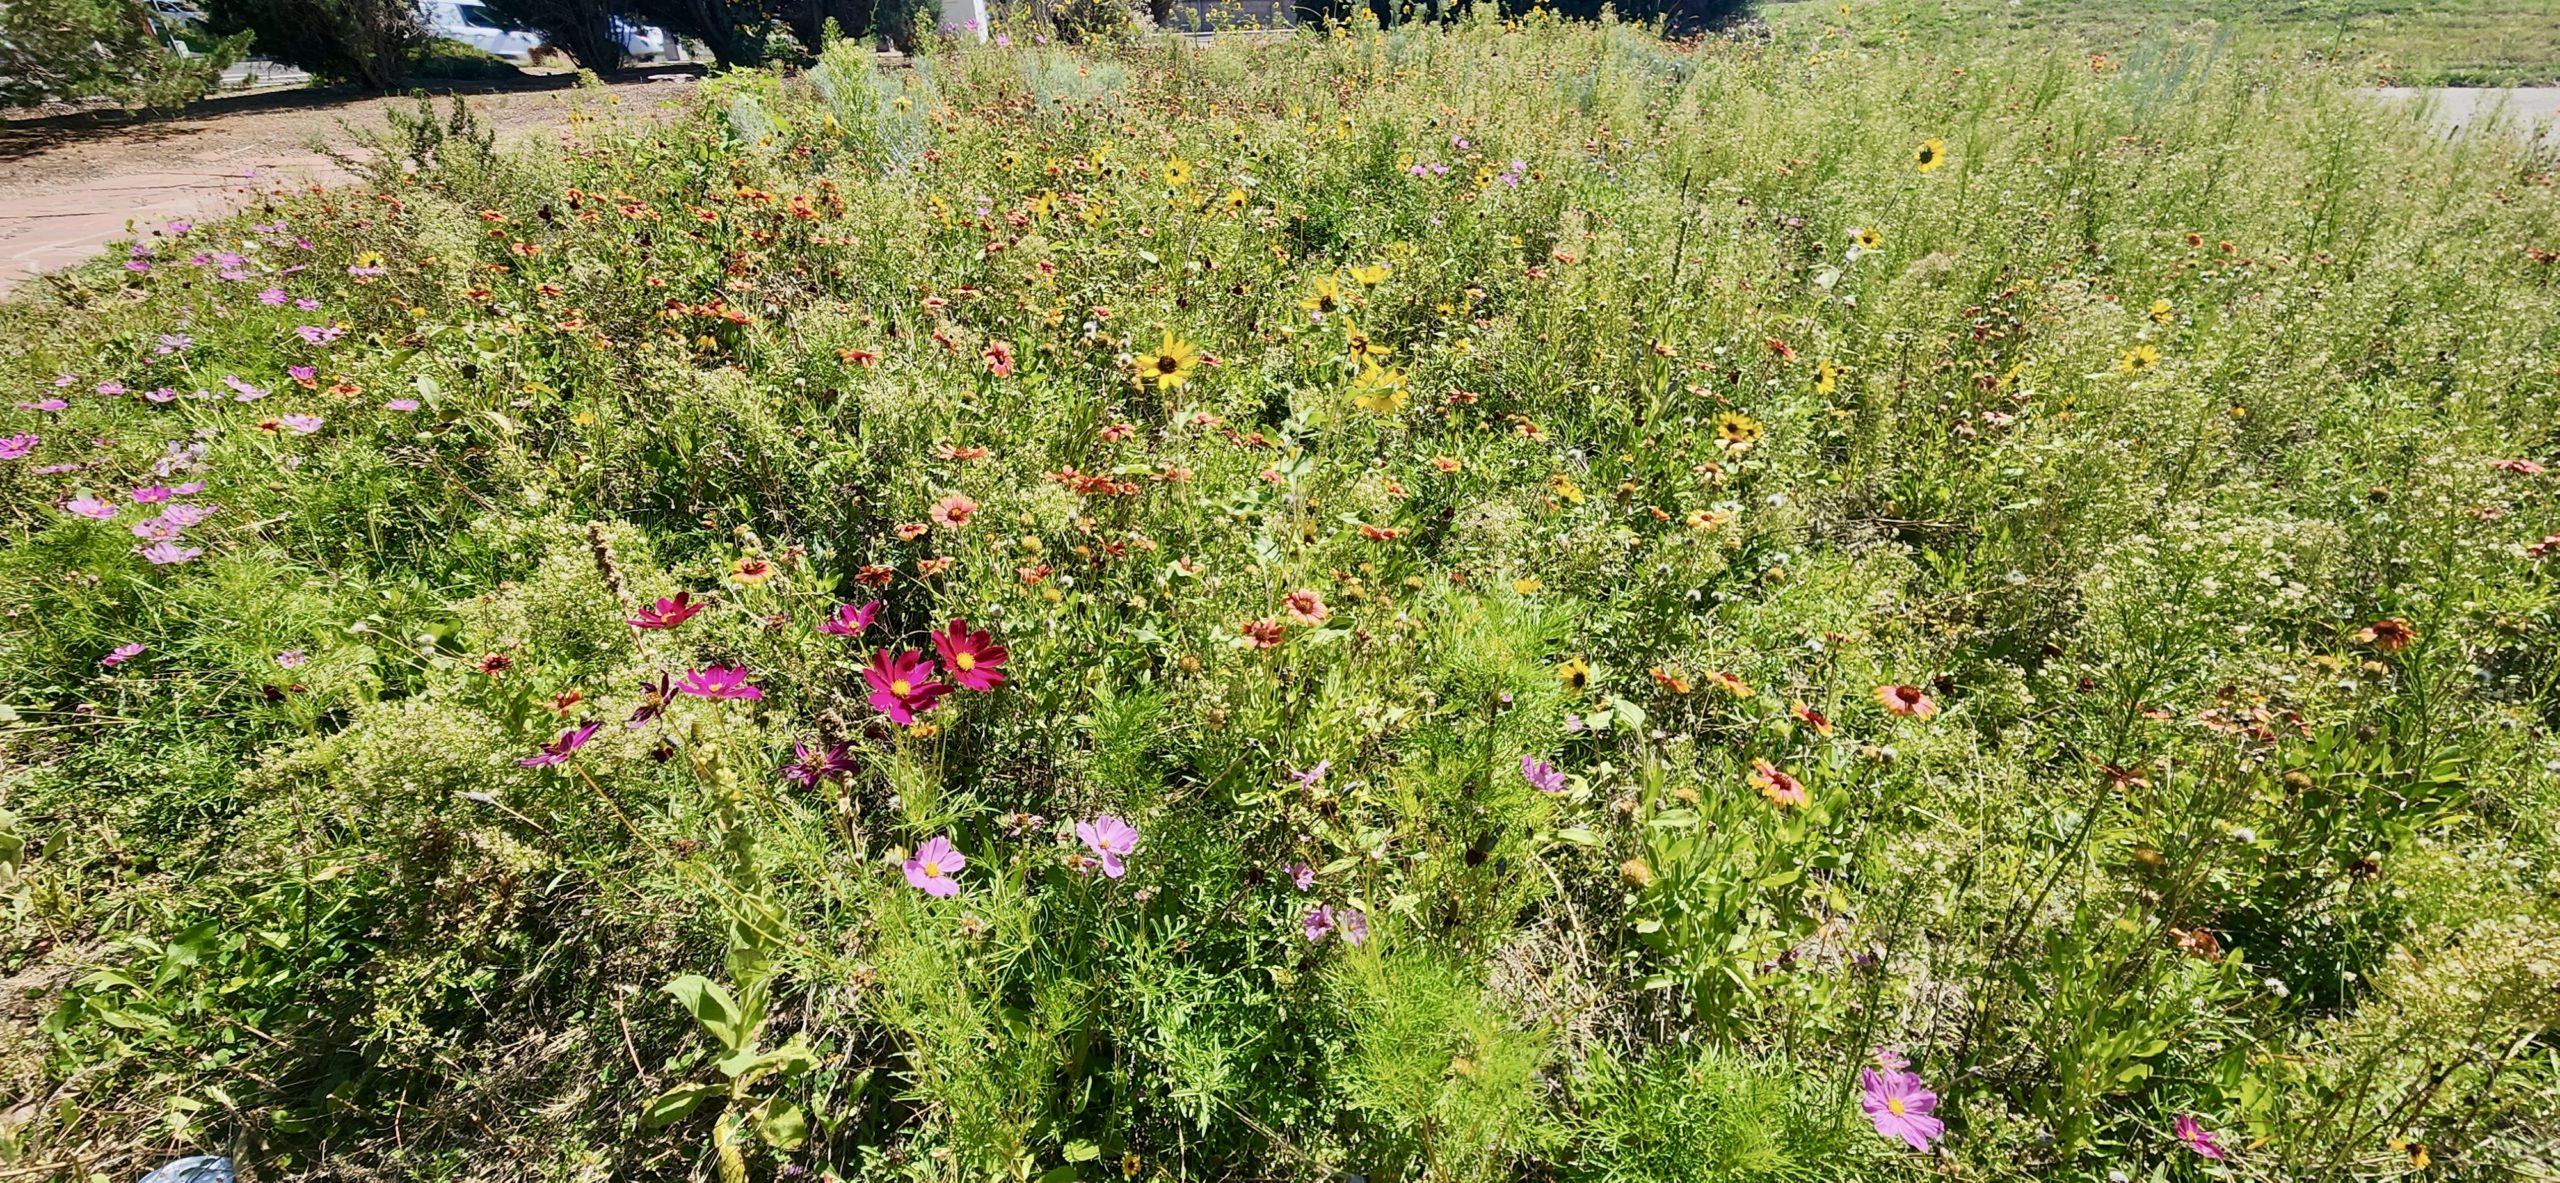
column 640, row 42
column 480, row 28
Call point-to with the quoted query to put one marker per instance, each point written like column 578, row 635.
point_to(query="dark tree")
column 366, row 41
column 581, row 28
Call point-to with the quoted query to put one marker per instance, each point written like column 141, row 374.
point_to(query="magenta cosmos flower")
column 971, row 657
column 122, row 654
column 902, row 685
column 16, row 447
column 931, row 869
column 557, row 751
column 668, row 613
column 2198, row 1138
column 1900, row 1104
column 1110, row 839
column 850, row 621
column 813, row 765
column 1350, row 924
column 718, row 682
column 1542, row 776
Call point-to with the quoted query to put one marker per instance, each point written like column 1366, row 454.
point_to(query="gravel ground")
column 69, row 185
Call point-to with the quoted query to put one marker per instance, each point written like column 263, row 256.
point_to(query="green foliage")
column 62, row 50
column 1614, row 587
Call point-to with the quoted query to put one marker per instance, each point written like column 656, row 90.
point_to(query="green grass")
column 1621, row 588
column 2403, row 42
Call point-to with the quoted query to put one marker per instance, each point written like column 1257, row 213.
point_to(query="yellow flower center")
column 1892, row 1105
column 902, row 688
column 964, row 662
column 934, row 871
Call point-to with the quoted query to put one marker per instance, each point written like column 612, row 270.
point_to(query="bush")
column 60, row 50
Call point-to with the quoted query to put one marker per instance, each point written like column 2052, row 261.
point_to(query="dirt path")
column 68, row 187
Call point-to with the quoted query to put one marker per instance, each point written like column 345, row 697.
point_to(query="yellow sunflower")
column 1168, row 365
column 1737, row 430
column 1867, row 237
column 1378, row 390
column 1177, row 173
column 1826, row 376
column 1931, row 153
column 1361, row 344
column 1370, row 276
column 1326, row 298
column 2138, row 359
column 2161, row 311
column 1575, row 673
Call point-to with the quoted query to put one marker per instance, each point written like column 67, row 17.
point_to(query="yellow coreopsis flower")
column 1931, row 153
column 1378, row 390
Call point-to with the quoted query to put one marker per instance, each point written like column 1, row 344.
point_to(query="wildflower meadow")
column 1506, row 600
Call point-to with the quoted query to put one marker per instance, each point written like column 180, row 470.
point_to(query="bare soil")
column 70, row 184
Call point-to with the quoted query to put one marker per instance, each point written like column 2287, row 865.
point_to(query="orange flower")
column 953, row 512
column 1669, row 680
column 1782, row 790
column 2389, row 634
column 1810, row 718
column 1265, row 633
column 750, row 572
column 858, row 357
column 1306, row 607
column 1907, row 701
column 910, row 531
column 1731, row 684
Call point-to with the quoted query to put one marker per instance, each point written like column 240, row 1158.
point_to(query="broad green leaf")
column 711, row 1006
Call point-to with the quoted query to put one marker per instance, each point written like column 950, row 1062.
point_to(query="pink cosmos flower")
column 813, row 765
column 156, row 530
column 148, row 494
column 668, row 613
column 1542, row 776
column 161, row 395
column 850, row 621
column 90, row 507
column 121, row 654
column 719, row 682
column 187, row 489
column 972, row 657
column 110, row 389
column 557, row 751
column 292, row 659
column 1301, row 876
column 272, row 297
column 302, row 424
column 43, row 404
column 184, row 515
column 1899, row 1104
column 902, row 685
column 1110, row 839
column 931, row 869
column 306, row 375
column 16, row 447
column 1353, row 926
column 1319, row 922
column 2197, row 1138
column 401, row 404
column 162, row 554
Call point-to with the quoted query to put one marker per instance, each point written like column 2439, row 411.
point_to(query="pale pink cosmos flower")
column 162, row 554
column 933, row 866
column 157, row 530
column 89, row 507
column 1110, row 839
column 121, row 654
column 184, row 515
